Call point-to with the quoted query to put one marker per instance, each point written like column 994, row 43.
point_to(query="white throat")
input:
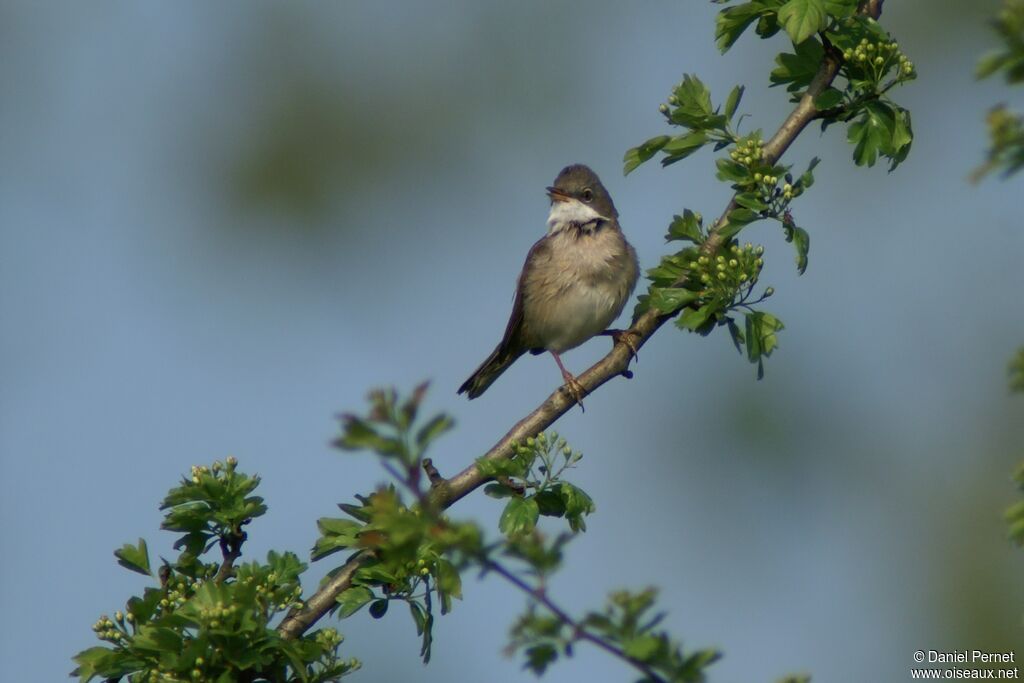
column 571, row 212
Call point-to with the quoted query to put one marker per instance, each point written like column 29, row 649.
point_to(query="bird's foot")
column 575, row 389
column 625, row 337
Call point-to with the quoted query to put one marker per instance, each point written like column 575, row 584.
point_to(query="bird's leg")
column 571, row 383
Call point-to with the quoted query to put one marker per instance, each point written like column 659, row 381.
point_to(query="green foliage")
column 1016, row 371
column 532, row 481
column 689, row 106
column 134, row 557
column 1005, row 127
column 628, row 624
column 416, row 553
column 209, row 620
column 711, row 279
column 1006, row 143
column 1008, row 60
column 1015, row 513
column 389, row 431
column 212, row 505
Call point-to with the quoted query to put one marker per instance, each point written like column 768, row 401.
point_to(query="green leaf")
column 644, row 152
column 419, row 617
column 761, row 337
column 840, row 9
column 449, row 583
column 498, row 491
column 578, row 504
column 991, row 63
column 351, row 600
column 733, row 21
column 751, row 201
column 828, row 98
column 642, row 648
column 539, row 657
column 694, row 108
column 1016, row 372
column 736, row 334
column 335, row 534
column 802, row 242
column 736, row 221
column 134, row 557
column 682, row 146
column 685, row 227
column 437, row 426
column 359, row 434
column 902, row 137
column 803, row 18
column 668, row 300
column 519, row 517
column 872, row 133
column 733, row 101
column 730, row 170
column 798, row 69
column 550, row 503
column 807, row 179
column 694, row 318
column 96, row 661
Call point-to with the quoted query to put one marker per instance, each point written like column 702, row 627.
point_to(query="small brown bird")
column 574, row 283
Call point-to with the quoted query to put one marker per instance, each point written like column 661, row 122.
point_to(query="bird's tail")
column 490, row 370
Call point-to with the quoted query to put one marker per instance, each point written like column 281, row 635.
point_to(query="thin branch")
column 231, row 550
column 450, row 491
column 580, row 632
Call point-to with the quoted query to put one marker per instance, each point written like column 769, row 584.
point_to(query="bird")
column 575, row 282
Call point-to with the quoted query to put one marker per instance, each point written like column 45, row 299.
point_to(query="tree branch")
column 447, row 492
column 579, row 631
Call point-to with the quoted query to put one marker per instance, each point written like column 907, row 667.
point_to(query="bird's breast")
column 577, row 288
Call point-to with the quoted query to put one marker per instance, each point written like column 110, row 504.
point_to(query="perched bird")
column 574, row 283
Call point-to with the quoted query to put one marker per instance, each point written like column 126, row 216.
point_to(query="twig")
column 231, row 550
column 580, row 632
column 558, row 403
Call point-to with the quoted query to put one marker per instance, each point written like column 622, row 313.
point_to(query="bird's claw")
column 575, row 389
column 624, row 337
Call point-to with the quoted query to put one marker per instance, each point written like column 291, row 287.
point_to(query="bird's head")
column 578, row 199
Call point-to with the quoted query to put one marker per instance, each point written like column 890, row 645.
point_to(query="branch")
column 231, row 550
column 579, row 631
column 446, row 493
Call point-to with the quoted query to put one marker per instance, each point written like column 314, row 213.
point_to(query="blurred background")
column 221, row 224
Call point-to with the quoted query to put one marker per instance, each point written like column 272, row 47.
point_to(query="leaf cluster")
column 707, row 282
column 870, row 65
column 1015, row 513
column 415, row 552
column 211, row 505
column 628, row 623
column 532, row 482
column 1005, row 127
column 1016, row 371
column 210, row 620
column 715, row 286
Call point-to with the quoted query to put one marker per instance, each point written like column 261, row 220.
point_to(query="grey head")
column 579, row 182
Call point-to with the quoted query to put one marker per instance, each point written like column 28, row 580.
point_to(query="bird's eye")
column 588, row 195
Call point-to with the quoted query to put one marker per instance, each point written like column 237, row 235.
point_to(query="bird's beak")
column 558, row 195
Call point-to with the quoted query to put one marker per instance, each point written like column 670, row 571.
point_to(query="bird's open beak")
column 558, row 195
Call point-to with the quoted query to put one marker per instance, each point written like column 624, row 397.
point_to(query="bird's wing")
column 515, row 333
